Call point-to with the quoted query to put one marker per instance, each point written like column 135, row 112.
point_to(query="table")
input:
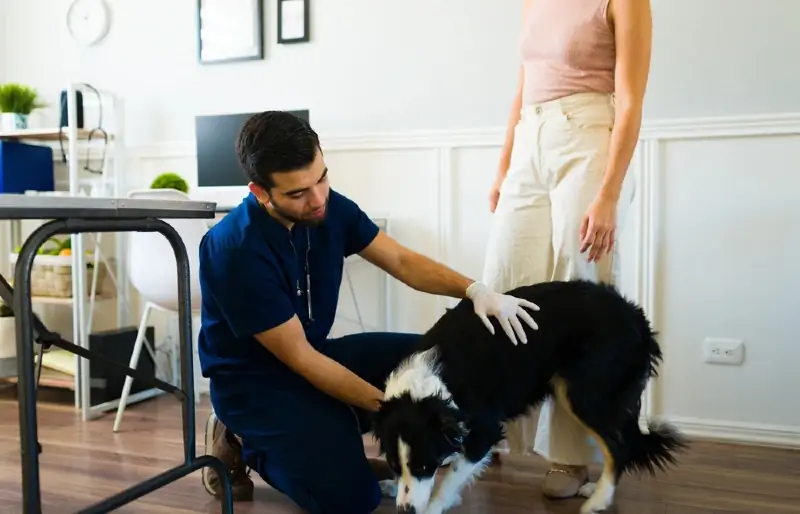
column 74, row 215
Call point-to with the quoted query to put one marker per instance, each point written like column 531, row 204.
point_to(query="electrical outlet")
column 717, row 350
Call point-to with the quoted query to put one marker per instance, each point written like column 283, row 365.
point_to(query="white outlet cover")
column 721, row 350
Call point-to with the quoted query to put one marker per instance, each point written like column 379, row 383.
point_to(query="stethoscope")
column 299, row 290
column 308, row 276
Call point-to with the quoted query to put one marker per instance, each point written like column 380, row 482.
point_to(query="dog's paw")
column 599, row 500
column 587, row 489
column 435, row 507
column 438, row 505
column 594, row 507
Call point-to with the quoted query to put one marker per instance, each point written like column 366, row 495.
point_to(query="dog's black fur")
column 592, row 343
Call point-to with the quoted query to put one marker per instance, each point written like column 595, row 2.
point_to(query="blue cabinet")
column 25, row 167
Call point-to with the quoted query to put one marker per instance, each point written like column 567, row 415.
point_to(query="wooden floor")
column 85, row 462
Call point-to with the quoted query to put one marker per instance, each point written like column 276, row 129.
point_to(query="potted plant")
column 170, row 181
column 8, row 332
column 17, row 102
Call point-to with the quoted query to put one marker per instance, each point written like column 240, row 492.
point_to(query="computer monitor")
column 215, row 136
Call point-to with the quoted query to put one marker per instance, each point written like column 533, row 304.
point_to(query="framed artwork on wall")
column 230, row 30
column 293, row 21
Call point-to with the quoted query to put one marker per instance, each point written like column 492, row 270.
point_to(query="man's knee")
column 358, row 497
column 349, row 487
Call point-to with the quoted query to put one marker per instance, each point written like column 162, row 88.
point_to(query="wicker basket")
column 51, row 275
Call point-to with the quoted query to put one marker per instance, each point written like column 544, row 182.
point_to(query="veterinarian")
column 558, row 199
column 270, row 273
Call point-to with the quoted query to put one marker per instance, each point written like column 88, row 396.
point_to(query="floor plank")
column 84, row 462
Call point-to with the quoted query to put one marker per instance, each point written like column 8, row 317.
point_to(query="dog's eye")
column 426, row 470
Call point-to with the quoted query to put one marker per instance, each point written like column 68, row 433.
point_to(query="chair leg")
column 137, row 350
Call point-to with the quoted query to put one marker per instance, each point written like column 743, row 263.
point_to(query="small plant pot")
column 10, row 121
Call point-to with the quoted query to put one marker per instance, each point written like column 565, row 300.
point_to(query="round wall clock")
column 88, row 21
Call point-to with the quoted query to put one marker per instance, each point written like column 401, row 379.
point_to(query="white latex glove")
column 507, row 309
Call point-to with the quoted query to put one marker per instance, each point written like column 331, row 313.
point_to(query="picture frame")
column 230, row 31
column 294, row 21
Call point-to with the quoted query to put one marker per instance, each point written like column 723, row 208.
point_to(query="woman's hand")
column 494, row 194
column 598, row 227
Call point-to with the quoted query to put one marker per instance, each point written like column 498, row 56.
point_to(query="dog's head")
column 416, row 435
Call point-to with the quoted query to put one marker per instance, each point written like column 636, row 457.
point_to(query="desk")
column 74, row 215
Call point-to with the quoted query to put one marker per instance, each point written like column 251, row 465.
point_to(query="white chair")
column 152, row 270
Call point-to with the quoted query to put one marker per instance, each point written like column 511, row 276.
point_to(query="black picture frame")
column 287, row 14
column 251, row 22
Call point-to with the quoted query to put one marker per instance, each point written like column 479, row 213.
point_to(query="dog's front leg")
column 448, row 492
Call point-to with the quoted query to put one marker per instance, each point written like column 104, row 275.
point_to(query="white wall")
column 3, row 24
column 398, row 107
column 394, row 66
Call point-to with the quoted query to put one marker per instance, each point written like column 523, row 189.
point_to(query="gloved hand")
column 507, row 309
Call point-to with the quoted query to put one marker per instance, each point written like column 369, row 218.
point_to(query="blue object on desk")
column 25, row 167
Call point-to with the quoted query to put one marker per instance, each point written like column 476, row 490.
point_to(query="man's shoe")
column 222, row 444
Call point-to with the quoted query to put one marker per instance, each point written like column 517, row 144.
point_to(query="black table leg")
column 23, row 311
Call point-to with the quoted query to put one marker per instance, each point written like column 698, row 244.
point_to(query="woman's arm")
column 633, row 31
column 516, row 106
column 513, row 119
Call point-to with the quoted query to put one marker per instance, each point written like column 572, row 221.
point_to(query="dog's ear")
column 453, row 425
column 379, row 419
column 383, row 411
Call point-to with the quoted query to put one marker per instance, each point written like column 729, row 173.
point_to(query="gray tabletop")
column 17, row 206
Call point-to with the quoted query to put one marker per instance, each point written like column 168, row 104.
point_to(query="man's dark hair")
column 273, row 142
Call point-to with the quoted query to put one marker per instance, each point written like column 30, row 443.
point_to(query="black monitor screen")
column 215, row 136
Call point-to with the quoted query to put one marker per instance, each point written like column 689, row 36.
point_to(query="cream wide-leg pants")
column 556, row 168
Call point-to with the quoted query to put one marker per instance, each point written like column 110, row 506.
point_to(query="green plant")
column 5, row 310
column 52, row 246
column 170, row 181
column 19, row 99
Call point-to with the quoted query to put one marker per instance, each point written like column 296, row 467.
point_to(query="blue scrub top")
column 250, row 269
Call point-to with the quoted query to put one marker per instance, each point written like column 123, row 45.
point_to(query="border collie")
column 594, row 352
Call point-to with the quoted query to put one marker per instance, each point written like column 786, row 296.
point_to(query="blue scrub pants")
column 303, row 442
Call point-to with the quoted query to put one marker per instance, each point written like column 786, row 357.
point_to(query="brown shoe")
column 222, row 444
column 564, row 481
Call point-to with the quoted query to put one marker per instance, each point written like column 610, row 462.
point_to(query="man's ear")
column 260, row 193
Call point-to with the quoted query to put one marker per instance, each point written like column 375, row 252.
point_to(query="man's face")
column 299, row 196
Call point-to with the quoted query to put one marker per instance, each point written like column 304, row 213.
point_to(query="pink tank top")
column 567, row 47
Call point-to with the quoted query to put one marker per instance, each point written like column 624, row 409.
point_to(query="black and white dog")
column 594, row 352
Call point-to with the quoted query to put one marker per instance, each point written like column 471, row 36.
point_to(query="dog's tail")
column 652, row 451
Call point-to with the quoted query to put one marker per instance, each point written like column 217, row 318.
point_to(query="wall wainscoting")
column 690, row 248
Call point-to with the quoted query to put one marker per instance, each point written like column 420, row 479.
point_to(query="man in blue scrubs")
column 290, row 402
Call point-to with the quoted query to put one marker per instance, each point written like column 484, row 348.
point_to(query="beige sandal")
column 564, row 481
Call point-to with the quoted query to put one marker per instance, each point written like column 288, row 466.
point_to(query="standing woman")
column 557, row 199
